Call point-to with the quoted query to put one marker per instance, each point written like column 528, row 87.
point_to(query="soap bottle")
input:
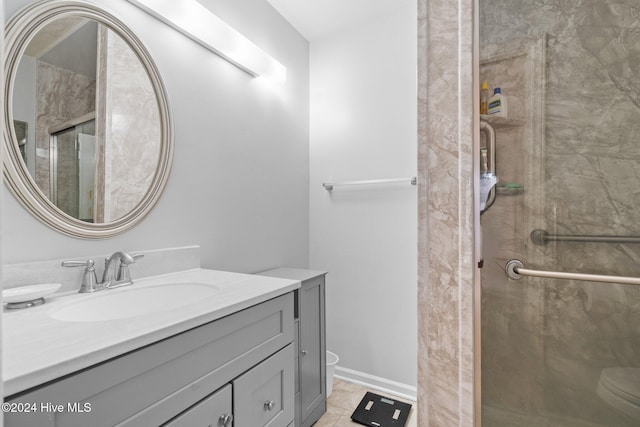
column 497, row 104
column 484, row 98
column 484, row 161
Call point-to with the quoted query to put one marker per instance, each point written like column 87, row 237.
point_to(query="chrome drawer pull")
column 269, row 405
column 225, row 420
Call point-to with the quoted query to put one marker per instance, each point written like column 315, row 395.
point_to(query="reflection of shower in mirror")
column 76, row 70
column 73, row 167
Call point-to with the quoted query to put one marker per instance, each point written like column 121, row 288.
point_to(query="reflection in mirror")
column 88, row 114
column 21, row 137
column 73, row 168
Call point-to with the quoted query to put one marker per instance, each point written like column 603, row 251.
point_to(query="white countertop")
column 37, row 348
column 300, row 274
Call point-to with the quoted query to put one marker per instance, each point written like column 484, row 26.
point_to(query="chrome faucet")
column 112, row 278
column 116, row 272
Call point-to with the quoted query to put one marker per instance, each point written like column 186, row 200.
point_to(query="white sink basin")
column 113, row 304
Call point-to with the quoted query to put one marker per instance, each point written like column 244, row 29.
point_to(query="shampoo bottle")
column 497, row 104
column 484, row 98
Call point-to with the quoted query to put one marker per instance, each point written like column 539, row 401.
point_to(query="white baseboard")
column 377, row 383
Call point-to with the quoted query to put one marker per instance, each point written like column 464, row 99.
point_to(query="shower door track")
column 515, row 270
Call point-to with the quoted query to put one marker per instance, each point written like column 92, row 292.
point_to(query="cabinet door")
column 212, row 411
column 263, row 396
column 312, row 346
column 296, row 370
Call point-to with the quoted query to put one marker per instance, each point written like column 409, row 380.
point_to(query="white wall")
column 363, row 126
column 239, row 183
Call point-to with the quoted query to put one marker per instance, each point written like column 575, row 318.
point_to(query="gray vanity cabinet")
column 191, row 379
column 309, row 312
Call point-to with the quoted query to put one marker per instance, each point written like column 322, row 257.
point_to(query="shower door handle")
column 491, row 159
column 515, row 270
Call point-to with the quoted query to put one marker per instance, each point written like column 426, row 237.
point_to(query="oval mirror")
column 87, row 140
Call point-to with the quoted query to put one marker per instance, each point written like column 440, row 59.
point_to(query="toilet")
column 620, row 388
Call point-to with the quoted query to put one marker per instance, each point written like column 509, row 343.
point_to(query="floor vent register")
column 379, row 411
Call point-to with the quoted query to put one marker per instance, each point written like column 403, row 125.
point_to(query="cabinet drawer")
column 264, row 395
column 215, row 410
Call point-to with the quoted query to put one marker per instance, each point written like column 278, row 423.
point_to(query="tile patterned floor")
column 344, row 400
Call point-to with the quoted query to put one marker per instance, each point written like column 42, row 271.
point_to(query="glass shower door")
column 73, row 169
column 559, row 352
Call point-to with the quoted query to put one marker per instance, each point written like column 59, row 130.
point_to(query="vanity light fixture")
column 199, row 24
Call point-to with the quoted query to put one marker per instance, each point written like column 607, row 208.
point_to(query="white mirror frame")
column 20, row 30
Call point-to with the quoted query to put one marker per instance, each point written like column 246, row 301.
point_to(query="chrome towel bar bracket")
column 515, row 270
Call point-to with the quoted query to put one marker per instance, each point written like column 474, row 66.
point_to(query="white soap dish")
column 28, row 296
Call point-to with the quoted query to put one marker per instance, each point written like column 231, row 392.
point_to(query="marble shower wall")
column 130, row 129
column 545, row 342
column 446, row 263
column 61, row 95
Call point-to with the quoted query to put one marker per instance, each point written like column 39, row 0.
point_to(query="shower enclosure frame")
column 54, row 132
column 447, row 263
column 477, row 230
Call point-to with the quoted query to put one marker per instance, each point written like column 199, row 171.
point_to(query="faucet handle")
column 89, row 279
